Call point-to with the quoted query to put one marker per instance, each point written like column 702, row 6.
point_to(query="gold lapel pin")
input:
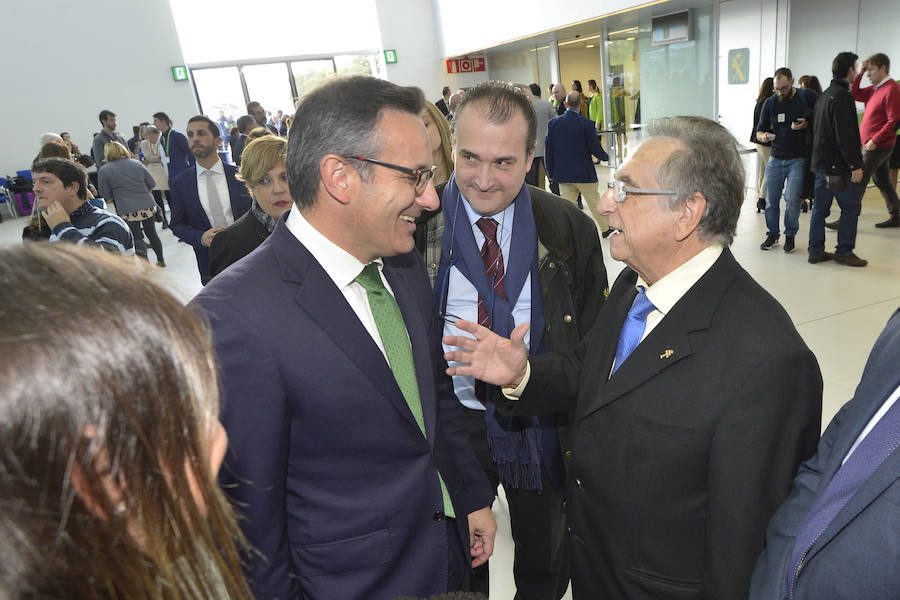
column 668, row 353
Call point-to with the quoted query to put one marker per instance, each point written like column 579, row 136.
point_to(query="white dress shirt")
column 343, row 269
column 873, row 421
column 462, row 297
column 218, row 171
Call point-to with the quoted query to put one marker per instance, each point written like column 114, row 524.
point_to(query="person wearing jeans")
column 849, row 201
column 786, row 175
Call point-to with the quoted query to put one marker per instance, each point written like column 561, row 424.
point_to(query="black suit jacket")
column 337, row 483
column 680, row 458
column 857, row 555
column 237, row 241
column 442, row 106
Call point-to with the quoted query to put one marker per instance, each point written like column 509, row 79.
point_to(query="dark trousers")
column 540, row 564
column 158, row 197
column 875, row 164
column 140, row 248
column 849, row 199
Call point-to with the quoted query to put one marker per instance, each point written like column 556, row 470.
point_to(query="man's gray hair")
column 332, row 120
column 150, row 129
column 708, row 163
column 573, row 100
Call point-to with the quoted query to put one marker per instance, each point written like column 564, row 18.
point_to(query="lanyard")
column 166, row 138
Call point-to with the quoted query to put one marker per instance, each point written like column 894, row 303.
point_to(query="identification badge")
column 781, row 117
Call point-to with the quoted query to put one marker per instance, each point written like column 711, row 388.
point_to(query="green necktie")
column 392, row 330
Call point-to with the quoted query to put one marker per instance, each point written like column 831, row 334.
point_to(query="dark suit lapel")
column 418, row 337
column 236, row 193
column 669, row 341
column 199, row 220
column 320, row 298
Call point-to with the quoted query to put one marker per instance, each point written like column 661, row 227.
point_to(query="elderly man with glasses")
column 348, row 456
column 693, row 398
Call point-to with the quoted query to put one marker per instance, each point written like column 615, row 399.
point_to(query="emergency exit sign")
column 179, row 73
column 390, row 56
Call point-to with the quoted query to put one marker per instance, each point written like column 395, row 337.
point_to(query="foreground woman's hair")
column 108, row 401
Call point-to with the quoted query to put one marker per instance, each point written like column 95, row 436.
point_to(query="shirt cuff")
column 513, row 393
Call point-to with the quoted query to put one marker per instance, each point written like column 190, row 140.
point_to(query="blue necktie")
column 633, row 328
column 881, row 441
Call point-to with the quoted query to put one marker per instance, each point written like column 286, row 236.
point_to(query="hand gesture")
column 55, row 214
column 488, row 356
column 856, row 175
column 208, row 235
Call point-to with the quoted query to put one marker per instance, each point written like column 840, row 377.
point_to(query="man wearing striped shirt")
column 60, row 189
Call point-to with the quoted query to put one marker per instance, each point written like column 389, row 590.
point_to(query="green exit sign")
column 390, row 56
column 179, row 73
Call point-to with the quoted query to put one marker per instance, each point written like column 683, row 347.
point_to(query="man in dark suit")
column 836, row 535
column 175, row 144
column 693, row 399
column 347, row 455
column 245, row 125
column 571, row 140
column 443, row 103
column 206, row 198
column 552, row 273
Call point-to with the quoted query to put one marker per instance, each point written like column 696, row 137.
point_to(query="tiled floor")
column 838, row 310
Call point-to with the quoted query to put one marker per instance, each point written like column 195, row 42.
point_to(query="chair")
column 6, row 197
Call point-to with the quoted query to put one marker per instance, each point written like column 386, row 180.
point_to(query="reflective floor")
column 838, row 310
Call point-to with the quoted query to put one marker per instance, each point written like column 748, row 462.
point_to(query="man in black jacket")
column 837, row 163
column 502, row 253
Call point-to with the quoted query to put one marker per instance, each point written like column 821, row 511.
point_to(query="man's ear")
column 690, row 213
column 338, row 177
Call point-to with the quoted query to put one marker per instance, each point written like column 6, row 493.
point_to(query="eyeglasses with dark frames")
column 623, row 191
column 420, row 176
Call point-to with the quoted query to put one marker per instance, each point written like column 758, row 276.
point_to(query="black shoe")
column 851, row 260
column 804, row 206
column 788, row 243
column 894, row 221
column 760, row 205
column 771, row 242
column 825, row 256
column 836, row 224
column 607, row 233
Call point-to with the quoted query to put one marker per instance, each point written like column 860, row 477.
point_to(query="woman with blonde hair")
column 154, row 158
column 441, row 142
column 263, row 172
column 129, row 184
column 111, row 441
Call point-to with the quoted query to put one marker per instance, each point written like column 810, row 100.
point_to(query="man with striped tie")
column 502, row 252
column 694, row 399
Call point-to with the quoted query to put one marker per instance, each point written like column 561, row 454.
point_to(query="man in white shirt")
column 836, row 536
column 348, row 454
column 206, row 198
column 693, row 398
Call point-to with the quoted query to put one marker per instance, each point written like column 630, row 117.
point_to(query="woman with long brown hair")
column 111, row 442
column 763, row 149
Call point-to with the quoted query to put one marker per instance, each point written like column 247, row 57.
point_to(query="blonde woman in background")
column 441, row 143
column 154, row 158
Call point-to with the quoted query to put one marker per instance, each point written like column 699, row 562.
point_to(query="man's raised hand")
column 488, row 356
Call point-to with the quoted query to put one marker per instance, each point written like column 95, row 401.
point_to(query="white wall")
column 819, row 29
column 65, row 62
column 469, row 25
column 419, row 59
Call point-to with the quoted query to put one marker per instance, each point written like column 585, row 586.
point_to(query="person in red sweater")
column 878, row 129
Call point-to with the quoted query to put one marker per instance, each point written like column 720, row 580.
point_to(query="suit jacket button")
column 552, row 265
column 567, row 319
column 564, row 505
column 434, row 265
column 577, row 483
column 438, row 516
column 568, row 454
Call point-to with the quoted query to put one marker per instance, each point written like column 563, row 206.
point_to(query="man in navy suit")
column 206, row 198
column 571, row 140
column 348, row 454
column 846, row 499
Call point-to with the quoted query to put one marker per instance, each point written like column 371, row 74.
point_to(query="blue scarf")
column 515, row 442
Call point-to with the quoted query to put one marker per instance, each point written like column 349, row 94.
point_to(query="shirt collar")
column 504, row 218
column 216, row 168
column 881, row 83
column 666, row 292
column 341, row 266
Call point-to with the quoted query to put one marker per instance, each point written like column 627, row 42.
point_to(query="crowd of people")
column 810, row 147
column 395, row 322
